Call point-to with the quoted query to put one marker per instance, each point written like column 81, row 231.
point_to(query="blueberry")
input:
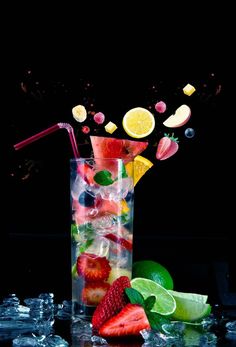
column 129, row 196
column 86, row 199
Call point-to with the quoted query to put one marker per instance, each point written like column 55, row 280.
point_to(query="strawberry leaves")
column 155, row 319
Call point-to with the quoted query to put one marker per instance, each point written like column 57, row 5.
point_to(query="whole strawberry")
column 167, row 146
column 112, row 303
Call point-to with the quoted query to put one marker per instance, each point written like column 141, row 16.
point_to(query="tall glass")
column 102, row 201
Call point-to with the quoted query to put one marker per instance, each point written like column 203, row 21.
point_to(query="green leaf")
column 74, row 230
column 104, row 178
column 85, row 245
column 134, row 296
column 124, row 173
column 156, row 320
column 86, row 229
column 74, row 271
column 149, row 303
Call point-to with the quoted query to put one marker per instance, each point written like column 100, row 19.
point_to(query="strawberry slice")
column 112, row 303
column 128, row 322
column 86, row 172
column 167, row 146
column 127, row 244
column 93, row 293
column 92, row 267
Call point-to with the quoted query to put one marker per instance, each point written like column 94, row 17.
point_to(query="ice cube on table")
column 231, row 327
column 55, row 341
column 26, row 341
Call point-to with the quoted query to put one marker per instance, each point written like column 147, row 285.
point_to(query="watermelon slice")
column 108, row 147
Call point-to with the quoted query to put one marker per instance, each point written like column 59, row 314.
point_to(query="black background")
column 183, row 210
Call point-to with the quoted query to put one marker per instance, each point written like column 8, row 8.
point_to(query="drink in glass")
column 102, row 198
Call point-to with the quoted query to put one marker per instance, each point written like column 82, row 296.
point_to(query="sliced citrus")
column 190, row 307
column 190, row 296
column 138, row 122
column 165, row 303
column 140, row 166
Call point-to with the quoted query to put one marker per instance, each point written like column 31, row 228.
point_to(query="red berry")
column 127, row 244
column 92, row 267
column 112, row 303
column 99, row 118
column 128, row 322
column 160, row 107
column 166, row 147
column 93, row 293
column 85, row 129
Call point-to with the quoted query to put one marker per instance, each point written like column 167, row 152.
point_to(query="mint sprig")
column 155, row 319
column 104, row 177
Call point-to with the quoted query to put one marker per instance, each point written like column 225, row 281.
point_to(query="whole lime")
column 153, row 271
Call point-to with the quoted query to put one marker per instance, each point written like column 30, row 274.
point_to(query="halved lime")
column 190, row 307
column 165, row 303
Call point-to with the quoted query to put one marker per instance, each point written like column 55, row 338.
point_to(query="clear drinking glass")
column 102, row 201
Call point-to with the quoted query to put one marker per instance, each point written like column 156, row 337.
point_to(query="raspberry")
column 99, row 118
column 160, row 107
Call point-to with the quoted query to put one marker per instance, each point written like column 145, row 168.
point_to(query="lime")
column 138, row 122
column 153, row 271
column 190, row 307
column 165, row 303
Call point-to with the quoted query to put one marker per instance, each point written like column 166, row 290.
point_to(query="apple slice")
column 181, row 116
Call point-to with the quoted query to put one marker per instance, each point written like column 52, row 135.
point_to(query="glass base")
column 82, row 311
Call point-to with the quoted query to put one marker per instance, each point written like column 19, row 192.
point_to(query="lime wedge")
column 165, row 303
column 191, row 296
column 190, row 307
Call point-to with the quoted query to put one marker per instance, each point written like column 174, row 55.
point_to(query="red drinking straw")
column 48, row 131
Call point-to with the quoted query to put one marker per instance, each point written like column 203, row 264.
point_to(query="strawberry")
column 167, row 146
column 92, row 267
column 86, row 172
column 93, row 293
column 127, row 244
column 112, row 303
column 128, row 322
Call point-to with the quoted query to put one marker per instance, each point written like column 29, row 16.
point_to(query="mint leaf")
column 73, row 230
column 74, row 271
column 156, row 320
column 104, row 178
column 85, row 245
column 123, row 170
column 86, row 229
column 134, row 296
column 149, row 303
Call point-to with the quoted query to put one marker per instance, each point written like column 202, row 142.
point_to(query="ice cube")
column 99, row 247
column 26, row 341
column 231, row 327
column 104, row 223
column 55, row 341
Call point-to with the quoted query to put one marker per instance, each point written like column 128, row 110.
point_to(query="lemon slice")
column 140, row 166
column 138, row 122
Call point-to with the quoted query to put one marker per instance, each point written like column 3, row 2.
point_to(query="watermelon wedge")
column 108, row 147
